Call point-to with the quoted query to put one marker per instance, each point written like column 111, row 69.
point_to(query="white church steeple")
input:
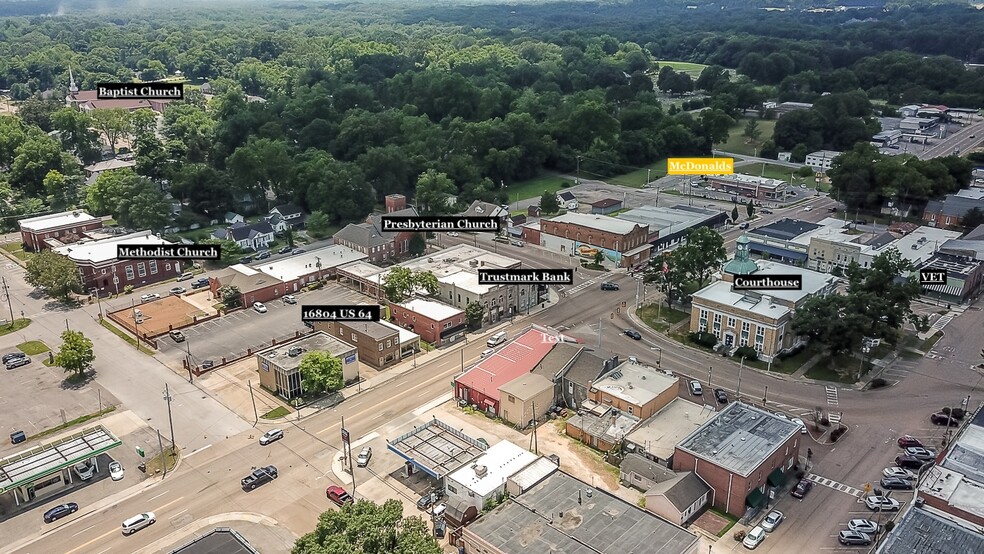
column 72, row 87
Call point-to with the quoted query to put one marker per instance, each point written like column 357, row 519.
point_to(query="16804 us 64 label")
column 368, row 312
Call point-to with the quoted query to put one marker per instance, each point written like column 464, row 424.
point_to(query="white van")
column 497, row 339
column 138, row 522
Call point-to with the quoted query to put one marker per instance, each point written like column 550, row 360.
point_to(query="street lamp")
column 95, row 291
column 741, row 367
column 865, row 349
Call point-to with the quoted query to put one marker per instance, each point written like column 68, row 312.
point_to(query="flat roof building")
column 925, row 530
column 308, row 267
column 622, row 243
column 740, row 453
column 437, row 323
column 48, row 231
column 564, row 514
column 483, row 480
column 749, row 186
column 954, row 484
column 656, row 438
column 280, row 372
column 99, row 268
column 670, row 225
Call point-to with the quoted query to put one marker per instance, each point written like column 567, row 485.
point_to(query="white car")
column 258, row 306
column 799, row 422
column 487, row 352
column 289, row 299
column 149, row 297
column 84, row 470
column 898, row 472
column 271, row 435
column 808, row 209
column 863, row 526
column 772, row 521
column 754, row 538
column 138, row 522
column 879, row 503
column 116, row 471
column 452, row 234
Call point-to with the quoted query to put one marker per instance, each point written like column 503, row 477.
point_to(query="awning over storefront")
column 777, row 478
column 755, row 498
column 776, row 251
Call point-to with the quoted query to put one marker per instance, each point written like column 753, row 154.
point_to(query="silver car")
column 863, row 526
column 772, row 521
column 363, row 459
column 271, row 435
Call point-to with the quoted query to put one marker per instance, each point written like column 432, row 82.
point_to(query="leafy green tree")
column 433, row 189
column 368, row 528
column 548, row 203
column 55, row 273
column 230, row 251
column 752, row 131
column 37, row 111
column 75, row 354
column 288, row 235
column 231, row 296
column 401, row 282
column 417, row 244
column 670, row 279
column 734, row 213
column 317, row 224
column 144, row 207
column 750, row 209
column 114, row 124
column 76, row 134
column 474, row 314
column 599, row 257
column 831, row 321
column 320, row 372
column 34, row 158
column 972, row 218
column 804, row 172
column 715, row 125
column 703, row 254
column 63, row 192
column 262, row 165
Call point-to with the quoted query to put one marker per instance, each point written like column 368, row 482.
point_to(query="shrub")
column 878, row 383
column 128, row 289
column 703, row 339
column 889, row 525
column 836, row 434
column 565, row 185
column 747, row 352
column 739, row 536
column 825, row 422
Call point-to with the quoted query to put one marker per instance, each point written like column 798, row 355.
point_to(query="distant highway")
column 963, row 140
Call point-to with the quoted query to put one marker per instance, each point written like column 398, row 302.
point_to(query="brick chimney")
column 395, row 202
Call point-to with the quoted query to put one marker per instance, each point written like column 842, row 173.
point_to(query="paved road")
column 959, row 138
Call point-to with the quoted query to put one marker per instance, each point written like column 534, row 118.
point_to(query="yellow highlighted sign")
column 700, row 166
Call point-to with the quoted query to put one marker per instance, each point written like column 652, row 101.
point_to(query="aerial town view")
column 491, row 276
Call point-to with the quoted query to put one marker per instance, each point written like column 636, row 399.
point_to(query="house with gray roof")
column 642, row 473
column 252, row 236
column 948, row 212
column 679, row 499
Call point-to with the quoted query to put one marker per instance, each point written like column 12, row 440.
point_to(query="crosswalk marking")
column 582, row 286
column 830, row 483
column 831, row 395
column 941, row 322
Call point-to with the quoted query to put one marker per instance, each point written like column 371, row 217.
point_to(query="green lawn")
column 839, row 369
column 17, row 325
column 275, row 413
column 786, row 365
column 637, row 178
column 667, row 316
column 33, row 347
column 737, row 142
column 534, row 188
column 693, row 69
column 123, row 335
column 929, row 343
column 773, row 171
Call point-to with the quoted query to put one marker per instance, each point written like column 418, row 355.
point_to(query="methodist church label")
column 768, row 282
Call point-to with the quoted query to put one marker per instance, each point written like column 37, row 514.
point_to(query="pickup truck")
column 338, row 495
column 259, row 476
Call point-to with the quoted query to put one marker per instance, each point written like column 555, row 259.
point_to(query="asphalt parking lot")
column 231, row 335
column 51, row 400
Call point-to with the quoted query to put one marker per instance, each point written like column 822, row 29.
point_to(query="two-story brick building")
column 100, row 269
column 741, row 453
column 622, row 243
column 436, row 323
column 370, row 239
column 378, row 344
column 52, row 230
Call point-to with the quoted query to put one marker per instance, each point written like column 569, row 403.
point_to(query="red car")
column 905, row 441
column 338, row 495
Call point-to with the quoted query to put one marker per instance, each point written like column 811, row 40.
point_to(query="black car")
column 895, row 483
column 909, row 462
column 633, row 334
column 199, row 283
column 425, row 502
column 941, row 418
column 802, row 488
column 609, row 286
column 259, row 476
column 60, row 511
column 246, row 259
column 721, row 395
column 767, row 211
column 263, row 255
column 208, row 364
column 832, row 209
column 284, row 250
column 13, row 356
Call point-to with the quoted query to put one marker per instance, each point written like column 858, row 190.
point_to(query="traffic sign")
column 345, row 435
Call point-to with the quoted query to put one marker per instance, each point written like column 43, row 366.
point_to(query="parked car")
column 362, row 460
column 199, row 283
column 60, row 511
column 802, row 488
column 138, row 522
column 262, row 255
column 452, row 234
column 895, row 483
column 175, row 291
column 207, row 364
column 149, row 297
column 296, row 251
column 743, row 226
column 177, row 335
column 115, row 471
column 879, row 503
column 271, row 435
column 832, row 209
column 852, row 538
column 941, row 418
column 863, row 526
column 754, row 538
column 609, row 286
column 721, row 395
column 438, row 511
column 246, row 259
column 425, row 501
column 17, row 362
column 338, row 495
column 920, row 453
column 633, row 334
column 633, row 359
column 898, row 472
column 517, row 243
column 766, row 211
column 802, row 425
column 909, row 462
column 185, row 276
column 905, row 441
column 284, row 250
column 695, row 388
column 487, row 352
column 259, row 307
column 84, row 470
column 258, row 477
column 13, row 356
column 290, row 299
column 772, row 521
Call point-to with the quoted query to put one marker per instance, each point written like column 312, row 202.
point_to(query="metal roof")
column 49, row 458
column 436, row 448
column 921, row 531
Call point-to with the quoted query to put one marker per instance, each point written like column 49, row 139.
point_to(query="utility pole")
column 170, row 421
column 6, row 296
column 136, row 330
column 256, row 417
column 649, row 177
column 599, row 333
column 741, row 367
column 160, row 444
column 709, row 370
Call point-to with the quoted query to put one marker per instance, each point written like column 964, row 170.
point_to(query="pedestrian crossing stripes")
column 582, row 286
column 941, row 322
column 831, row 395
column 834, row 485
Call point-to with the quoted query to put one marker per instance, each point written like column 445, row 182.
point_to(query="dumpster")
column 142, row 467
column 17, row 437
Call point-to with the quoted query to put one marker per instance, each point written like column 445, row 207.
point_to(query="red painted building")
column 53, row 230
column 436, row 323
column 480, row 385
column 253, row 285
column 99, row 268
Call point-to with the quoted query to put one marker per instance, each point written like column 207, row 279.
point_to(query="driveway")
column 231, row 335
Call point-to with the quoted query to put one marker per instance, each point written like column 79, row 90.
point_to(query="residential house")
column 290, row 214
column 479, row 208
column 606, row 206
column 53, row 230
column 233, row 218
column 947, row 213
column 742, row 454
column 567, row 200
column 641, row 473
column 93, row 171
column 680, row 499
column 252, row 236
